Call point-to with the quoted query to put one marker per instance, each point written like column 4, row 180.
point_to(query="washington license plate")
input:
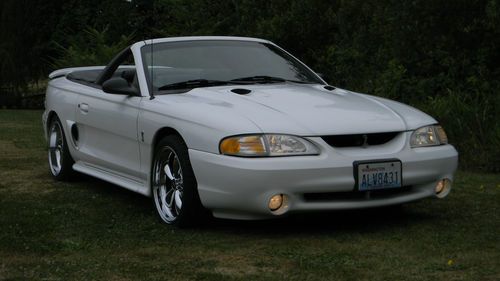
column 378, row 175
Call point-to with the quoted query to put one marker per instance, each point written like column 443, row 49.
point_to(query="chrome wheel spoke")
column 178, row 200
column 177, row 167
column 163, row 196
column 58, row 157
column 168, row 172
column 167, row 179
column 171, row 199
column 167, row 211
column 165, row 206
column 53, row 156
column 55, row 148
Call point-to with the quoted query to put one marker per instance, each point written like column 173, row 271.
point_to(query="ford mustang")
column 238, row 128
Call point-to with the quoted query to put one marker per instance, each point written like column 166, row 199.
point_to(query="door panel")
column 107, row 126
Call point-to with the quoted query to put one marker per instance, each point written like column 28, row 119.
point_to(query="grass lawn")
column 92, row 230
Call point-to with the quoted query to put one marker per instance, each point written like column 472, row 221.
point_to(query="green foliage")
column 440, row 56
column 25, row 33
column 471, row 124
column 91, row 48
column 391, row 81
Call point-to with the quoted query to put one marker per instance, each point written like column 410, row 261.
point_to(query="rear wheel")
column 173, row 184
column 60, row 160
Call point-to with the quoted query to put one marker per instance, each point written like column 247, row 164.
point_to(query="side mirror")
column 119, row 86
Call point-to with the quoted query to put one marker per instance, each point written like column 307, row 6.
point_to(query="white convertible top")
column 201, row 38
column 65, row 71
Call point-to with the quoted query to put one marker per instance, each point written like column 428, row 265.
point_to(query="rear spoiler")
column 65, row 71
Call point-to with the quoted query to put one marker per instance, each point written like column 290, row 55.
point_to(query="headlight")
column 267, row 145
column 428, row 136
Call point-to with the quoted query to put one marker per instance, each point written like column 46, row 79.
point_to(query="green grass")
column 92, row 230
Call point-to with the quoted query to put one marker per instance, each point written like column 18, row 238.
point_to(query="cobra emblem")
column 365, row 141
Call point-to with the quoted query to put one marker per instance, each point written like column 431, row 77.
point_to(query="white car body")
column 117, row 134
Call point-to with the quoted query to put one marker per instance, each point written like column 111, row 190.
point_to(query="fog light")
column 439, row 186
column 443, row 187
column 276, row 202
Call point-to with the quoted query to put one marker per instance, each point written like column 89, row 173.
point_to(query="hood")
column 309, row 110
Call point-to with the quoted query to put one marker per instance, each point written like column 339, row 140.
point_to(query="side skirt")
column 133, row 184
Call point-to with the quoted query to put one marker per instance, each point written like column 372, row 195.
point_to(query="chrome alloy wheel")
column 56, row 148
column 168, row 184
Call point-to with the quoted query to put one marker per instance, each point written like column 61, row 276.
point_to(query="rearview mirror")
column 119, row 86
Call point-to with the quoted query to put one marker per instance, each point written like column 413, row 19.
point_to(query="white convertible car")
column 240, row 128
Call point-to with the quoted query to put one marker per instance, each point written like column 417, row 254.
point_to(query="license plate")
column 378, row 175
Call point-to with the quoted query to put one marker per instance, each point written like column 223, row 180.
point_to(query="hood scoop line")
column 240, row 91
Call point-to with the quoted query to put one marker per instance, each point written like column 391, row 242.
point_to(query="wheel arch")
column 161, row 133
column 50, row 117
column 199, row 211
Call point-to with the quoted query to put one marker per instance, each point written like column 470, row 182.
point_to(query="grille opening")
column 359, row 139
column 353, row 195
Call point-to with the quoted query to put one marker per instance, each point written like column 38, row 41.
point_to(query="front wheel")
column 173, row 184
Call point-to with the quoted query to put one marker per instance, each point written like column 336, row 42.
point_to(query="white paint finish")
column 287, row 108
column 61, row 101
column 301, row 109
column 111, row 145
column 66, row 71
column 108, row 131
column 240, row 187
column 413, row 117
column 141, row 77
column 133, row 184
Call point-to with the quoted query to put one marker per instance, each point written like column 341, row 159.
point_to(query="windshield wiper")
column 190, row 84
column 267, row 79
column 195, row 84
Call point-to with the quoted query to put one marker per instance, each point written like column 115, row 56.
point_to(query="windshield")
column 215, row 62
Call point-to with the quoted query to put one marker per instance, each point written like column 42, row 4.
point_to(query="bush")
column 440, row 56
column 90, row 48
column 471, row 122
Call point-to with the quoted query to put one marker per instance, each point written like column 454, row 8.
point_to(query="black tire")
column 60, row 160
column 172, row 175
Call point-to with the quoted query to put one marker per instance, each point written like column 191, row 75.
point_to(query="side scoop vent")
column 240, row 91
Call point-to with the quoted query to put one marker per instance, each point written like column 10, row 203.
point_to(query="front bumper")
column 240, row 188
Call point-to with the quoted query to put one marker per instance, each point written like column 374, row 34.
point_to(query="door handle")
column 83, row 107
